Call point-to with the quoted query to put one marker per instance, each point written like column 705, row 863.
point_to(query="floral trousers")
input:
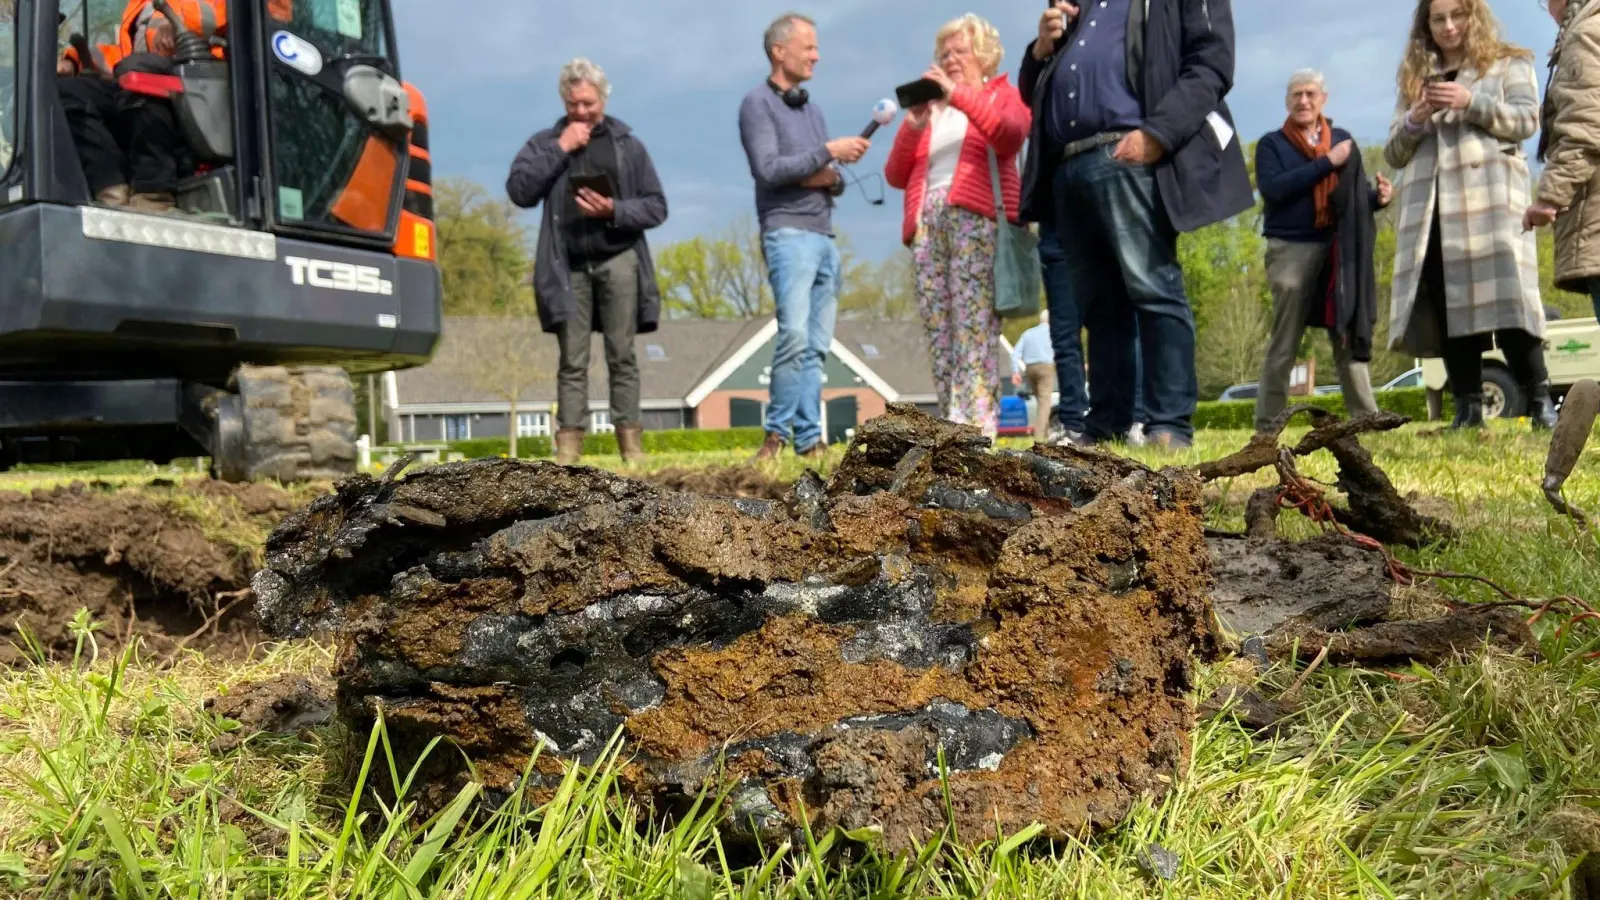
column 953, row 258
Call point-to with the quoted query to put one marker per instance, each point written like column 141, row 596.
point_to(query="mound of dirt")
column 131, row 559
column 1029, row 619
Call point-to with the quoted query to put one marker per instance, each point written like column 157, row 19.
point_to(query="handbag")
column 1018, row 279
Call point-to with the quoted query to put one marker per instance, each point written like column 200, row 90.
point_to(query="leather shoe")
column 771, row 447
column 1469, row 412
column 1541, row 409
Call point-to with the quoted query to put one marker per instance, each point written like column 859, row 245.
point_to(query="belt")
column 1084, row 145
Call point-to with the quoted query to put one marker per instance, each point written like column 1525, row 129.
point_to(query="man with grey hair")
column 1298, row 170
column 796, row 175
column 592, row 267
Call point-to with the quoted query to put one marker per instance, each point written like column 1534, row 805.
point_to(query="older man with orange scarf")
column 1297, row 171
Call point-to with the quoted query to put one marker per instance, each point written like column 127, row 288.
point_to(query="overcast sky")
column 679, row 68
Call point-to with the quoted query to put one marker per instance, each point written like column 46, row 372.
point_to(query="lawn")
column 1475, row 779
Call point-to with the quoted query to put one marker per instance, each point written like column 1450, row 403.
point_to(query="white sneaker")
column 1136, row 434
column 1060, row 437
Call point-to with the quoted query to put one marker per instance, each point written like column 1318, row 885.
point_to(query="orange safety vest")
column 203, row 17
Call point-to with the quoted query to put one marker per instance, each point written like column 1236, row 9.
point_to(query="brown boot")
column 771, row 448
column 630, row 442
column 816, row 451
column 569, row 446
column 153, row 201
column 115, row 195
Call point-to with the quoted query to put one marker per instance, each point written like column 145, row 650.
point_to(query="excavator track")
column 288, row 425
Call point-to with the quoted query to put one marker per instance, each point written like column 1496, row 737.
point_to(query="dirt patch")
column 1031, row 618
column 130, row 558
column 722, row 481
column 283, row 705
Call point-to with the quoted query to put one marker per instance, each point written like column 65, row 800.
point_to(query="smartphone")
column 599, row 182
column 915, row 93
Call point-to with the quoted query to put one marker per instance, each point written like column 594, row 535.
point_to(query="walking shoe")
column 819, row 450
column 1167, row 441
column 1541, row 409
column 1469, row 412
column 1061, row 437
column 153, row 201
column 771, row 448
column 1136, row 435
column 115, row 195
column 569, row 446
column 630, row 442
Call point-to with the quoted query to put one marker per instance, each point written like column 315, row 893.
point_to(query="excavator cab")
column 297, row 248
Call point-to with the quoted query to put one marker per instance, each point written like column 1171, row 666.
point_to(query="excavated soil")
column 1030, row 619
column 129, row 557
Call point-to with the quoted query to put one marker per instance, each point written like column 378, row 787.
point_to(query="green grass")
column 1476, row 779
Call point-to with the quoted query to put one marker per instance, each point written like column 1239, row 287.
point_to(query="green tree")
column 485, row 252
column 718, row 276
column 485, row 258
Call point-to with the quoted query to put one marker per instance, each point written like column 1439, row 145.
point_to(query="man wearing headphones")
column 797, row 176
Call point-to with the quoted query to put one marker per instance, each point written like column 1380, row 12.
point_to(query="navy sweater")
column 1286, row 180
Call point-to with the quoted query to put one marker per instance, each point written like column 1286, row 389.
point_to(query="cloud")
column 679, row 68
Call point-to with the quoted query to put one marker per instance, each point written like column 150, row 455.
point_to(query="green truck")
column 1571, row 351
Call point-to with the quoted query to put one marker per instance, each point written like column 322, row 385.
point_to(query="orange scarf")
column 1323, row 193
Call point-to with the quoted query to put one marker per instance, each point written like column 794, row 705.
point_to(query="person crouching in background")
column 947, row 157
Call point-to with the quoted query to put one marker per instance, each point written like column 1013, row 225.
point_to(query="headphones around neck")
column 794, row 98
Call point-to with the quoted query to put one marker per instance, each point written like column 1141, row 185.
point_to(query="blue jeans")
column 1066, row 332
column 1122, row 265
column 804, row 270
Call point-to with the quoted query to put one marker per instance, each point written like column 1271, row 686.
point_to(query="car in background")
column 1409, row 379
column 1571, row 354
column 1247, row 391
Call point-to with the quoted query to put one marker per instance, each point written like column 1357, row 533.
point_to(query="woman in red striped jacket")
column 941, row 160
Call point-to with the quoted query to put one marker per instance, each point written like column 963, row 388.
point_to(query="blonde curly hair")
column 1484, row 47
column 984, row 36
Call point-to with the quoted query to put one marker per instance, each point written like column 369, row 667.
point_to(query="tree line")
column 486, row 258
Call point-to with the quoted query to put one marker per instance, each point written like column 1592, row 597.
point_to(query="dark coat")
column 1180, row 66
column 540, row 171
column 1350, row 292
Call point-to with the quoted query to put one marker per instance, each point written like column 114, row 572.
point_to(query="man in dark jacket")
column 1310, row 178
column 1132, row 144
column 592, row 269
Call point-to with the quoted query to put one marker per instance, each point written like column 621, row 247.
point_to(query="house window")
column 655, row 352
column 534, row 424
column 457, row 428
column 600, row 421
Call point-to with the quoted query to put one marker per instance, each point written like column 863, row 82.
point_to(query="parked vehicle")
column 1571, row 353
column 1246, row 391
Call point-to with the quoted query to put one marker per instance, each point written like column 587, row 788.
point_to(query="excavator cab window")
column 338, row 118
column 8, row 86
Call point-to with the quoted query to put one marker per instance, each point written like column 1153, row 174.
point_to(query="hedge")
column 673, row 440
column 1232, row 414
column 1241, row 414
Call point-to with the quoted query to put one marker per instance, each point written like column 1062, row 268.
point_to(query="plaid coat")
column 1472, row 164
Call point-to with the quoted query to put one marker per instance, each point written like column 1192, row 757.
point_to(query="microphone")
column 883, row 112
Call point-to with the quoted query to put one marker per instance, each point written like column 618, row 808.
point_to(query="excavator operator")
column 129, row 143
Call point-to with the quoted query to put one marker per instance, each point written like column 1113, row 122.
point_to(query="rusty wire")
column 1299, row 493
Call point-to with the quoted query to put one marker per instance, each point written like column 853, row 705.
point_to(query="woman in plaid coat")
column 1465, row 270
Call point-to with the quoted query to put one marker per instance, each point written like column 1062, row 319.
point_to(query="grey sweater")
column 786, row 146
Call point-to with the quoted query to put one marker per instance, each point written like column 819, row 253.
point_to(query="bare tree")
column 498, row 354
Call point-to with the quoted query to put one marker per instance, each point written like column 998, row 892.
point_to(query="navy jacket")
column 1180, row 65
column 1287, row 181
column 539, row 171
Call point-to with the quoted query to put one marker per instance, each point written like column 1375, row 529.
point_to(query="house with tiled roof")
column 693, row 373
